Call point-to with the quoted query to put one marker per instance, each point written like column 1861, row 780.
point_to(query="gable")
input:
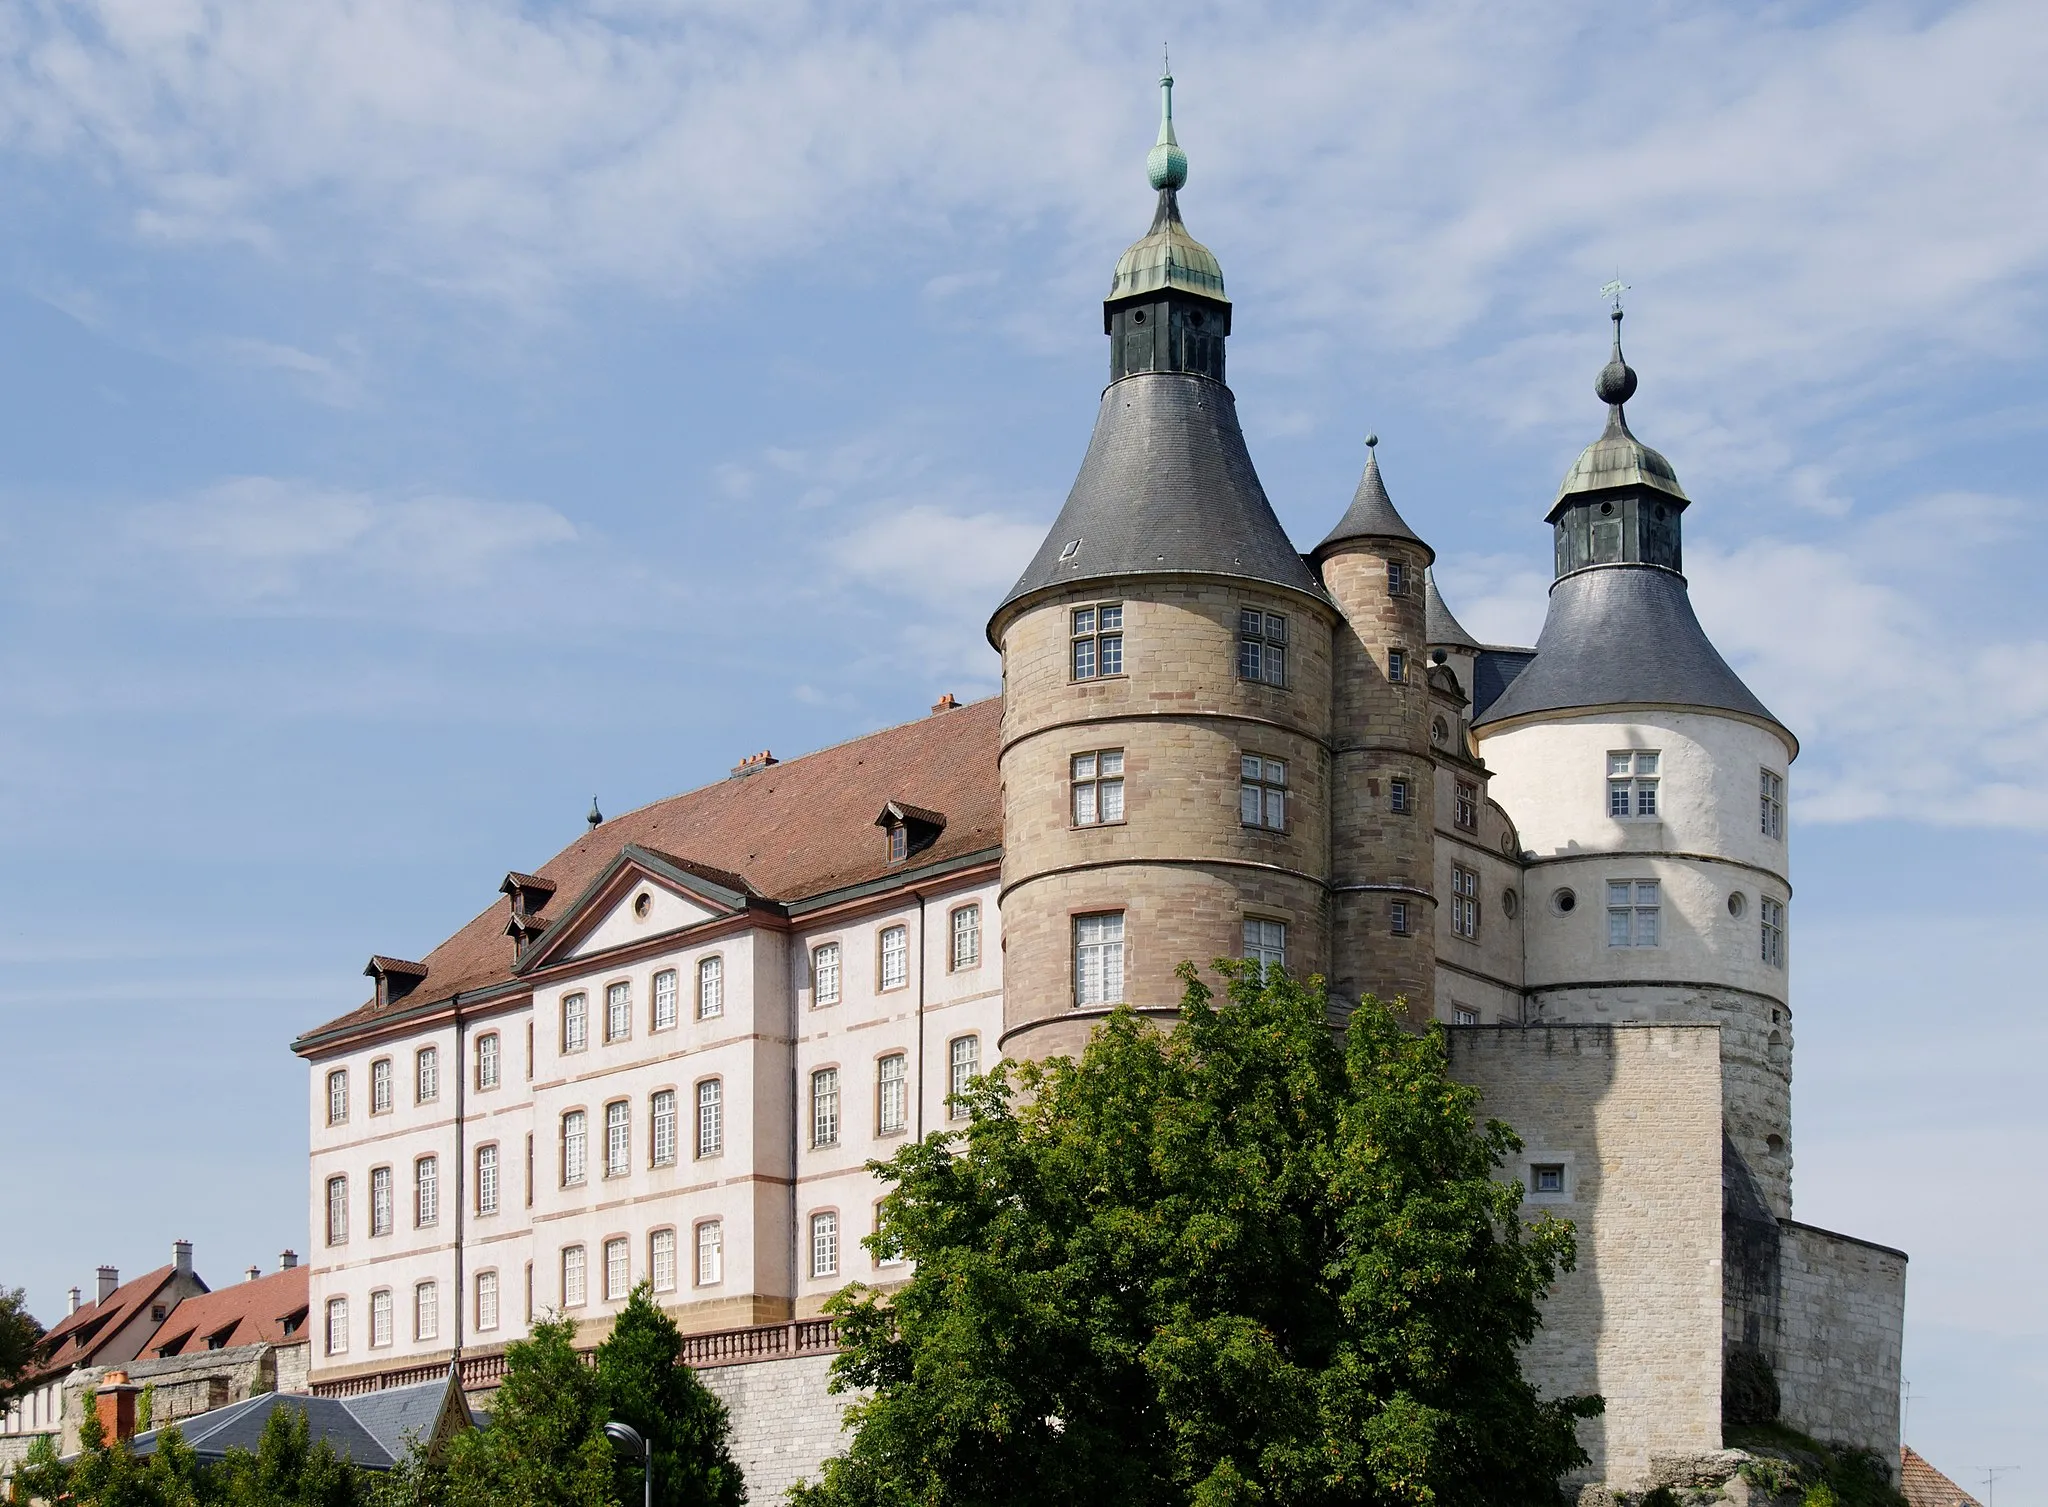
column 622, row 923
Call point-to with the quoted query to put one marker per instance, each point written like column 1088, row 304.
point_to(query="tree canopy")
column 1231, row 1263
column 20, row 1339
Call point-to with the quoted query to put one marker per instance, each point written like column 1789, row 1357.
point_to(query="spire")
column 1442, row 628
column 1617, row 458
column 1166, row 165
column 1372, row 514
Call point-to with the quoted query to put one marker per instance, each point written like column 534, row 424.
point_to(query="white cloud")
column 333, row 383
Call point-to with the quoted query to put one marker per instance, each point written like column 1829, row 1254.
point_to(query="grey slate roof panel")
column 1372, row 514
column 1167, row 487
column 1620, row 635
column 390, row 1415
column 1439, row 626
column 240, row 1426
column 1493, row 671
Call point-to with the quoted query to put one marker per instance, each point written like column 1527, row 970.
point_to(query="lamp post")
column 627, row 1440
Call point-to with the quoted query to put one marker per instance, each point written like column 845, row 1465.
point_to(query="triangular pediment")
column 641, row 894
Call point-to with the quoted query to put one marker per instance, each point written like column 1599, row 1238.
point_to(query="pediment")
column 641, row 894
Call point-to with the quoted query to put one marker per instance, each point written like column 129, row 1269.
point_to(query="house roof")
column 1372, row 514
column 1924, row 1486
column 78, row 1338
column 373, row 1430
column 792, row 831
column 249, row 1313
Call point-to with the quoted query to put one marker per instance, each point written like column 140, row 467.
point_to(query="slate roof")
column 1372, row 514
column 1439, row 626
column 1924, row 1486
column 248, row 1313
column 1624, row 635
column 76, row 1339
column 372, row 1430
column 1166, row 488
column 1493, row 672
column 792, row 831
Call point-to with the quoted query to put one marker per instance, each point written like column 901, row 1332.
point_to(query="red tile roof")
column 248, row 1313
column 1924, row 1486
column 793, row 830
column 78, row 1337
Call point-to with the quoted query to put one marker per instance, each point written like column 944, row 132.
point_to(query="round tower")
column 1382, row 778
column 1649, row 787
column 1166, row 682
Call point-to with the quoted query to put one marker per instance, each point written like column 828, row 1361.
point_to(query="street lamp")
column 628, row 1440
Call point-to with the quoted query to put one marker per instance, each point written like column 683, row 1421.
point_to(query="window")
column 337, row 1211
column 1465, row 807
column 887, row 1252
column 1464, row 903
column 825, row 974
column 1462, row 1015
column 1098, row 787
column 1261, row 646
column 825, row 1107
column 426, row 1310
column 1397, row 666
column 710, row 1252
column 963, row 1062
column 426, row 1191
column 661, row 1260
column 487, row 1179
column 572, row 1148
column 710, row 1117
column 1397, row 579
column 529, row 1049
column 618, row 1269
column 380, row 1200
column 665, row 1000
column 1546, row 1178
column 575, row 1022
column 966, row 937
column 1632, row 783
column 1772, row 795
column 1262, row 792
column 1098, row 641
column 487, row 1061
column 895, row 957
column 899, row 843
column 825, row 1245
column 529, row 1169
column 618, row 1138
column 426, row 1072
column 1400, row 797
column 1397, row 917
column 380, row 1086
column 1772, row 915
column 1632, row 907
column 1265, row 943
column 662, row 1129
column 337, row 1326
column 380, row 1318
column 337, row 1097
column 710, row 988
column 573, row 1293
column 618, row 1011
column 486, row 1300
column 1099, row 959
column 891, row 1093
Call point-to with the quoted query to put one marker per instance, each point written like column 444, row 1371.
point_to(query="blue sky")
column 416, row 415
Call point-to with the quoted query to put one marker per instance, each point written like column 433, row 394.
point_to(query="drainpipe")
column 461, row 1066
column 920, row 1014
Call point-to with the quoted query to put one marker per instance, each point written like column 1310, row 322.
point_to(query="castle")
column 667, row 1053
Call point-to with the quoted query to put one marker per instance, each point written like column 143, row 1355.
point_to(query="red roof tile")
column 1924, row 1486
column 246, row 1314
column 78, row 1337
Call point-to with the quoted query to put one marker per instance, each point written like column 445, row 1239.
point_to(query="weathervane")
column 1614, row 290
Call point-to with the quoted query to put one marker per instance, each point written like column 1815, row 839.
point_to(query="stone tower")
column 1166, row 681
column 1382, row 778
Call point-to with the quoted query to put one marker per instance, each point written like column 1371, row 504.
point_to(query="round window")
column 1439, row 731
column 1510, row 902
column 1137, row 316
column 1736, row 904
column 1607, row 510
column 642, row 904
column 1564, row 902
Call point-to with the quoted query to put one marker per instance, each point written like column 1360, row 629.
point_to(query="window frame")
column 382, row 1092
column 883, row 954
column 1097, row 643
column 618, row 1139
column 955, row 1086
column 1635, row 909
column 1398, row 919
column 337, row 1324
column 426, row 1074
column 486, row 1320
column 819, row 999
column 826, row 1107
column 337, row 1096
column 581, row 1267
column 1077, row 973
column 617, row 1253
column 1258, row 652
column 901, row 1084
column 1635, row 784
column 1101, row 783
column 710, row 973
column 1397, row 666
column 1464, row 902
column 655, row 1158
column 715, row 1226
column 1771, row 803
column 383, row 1201
column 490, row 1176
column 1771, row 930
column 824, row 1232
column 1397, row 578
column 654, row 1001
column 1257, row 939
column 490, row 1062
column 618, row 1011
column 581, row 1142
column 576, row 1009
column 381, row 1318
column 426, row 1310
column 1465, row 805
column 970, row 913
column 1255, row 779
column 1400, row 795
column 336, row 1228
column 426, row 1190
column 654, row 1255
column 714, row 1144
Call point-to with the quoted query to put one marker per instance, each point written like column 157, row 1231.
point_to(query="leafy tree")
column 641, row 1380
column 1234, row 1263
column 21, row 1337
column 288, row 1469
column 545, row 1446
column 41, row 1475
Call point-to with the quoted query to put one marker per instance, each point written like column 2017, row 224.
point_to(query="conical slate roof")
column 1371, row 514
column 1439, row 626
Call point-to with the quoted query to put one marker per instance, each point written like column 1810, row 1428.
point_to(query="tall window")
column 1099, row 959
column 426, row 1310
column 1262, row 792
column 1464, row 903
column 426, row 1191
column 825, row 974
column 487, row 1055
column 1397, row 917
column 663, row 1129
column 1397, row 666
column 661, row 1260
column 825, row 1245
column 895, row 957
column 380, row 1200
column 618, row 1269
column 1632, row 913
column 1098, row 641
column 710, row 1117
column 486, row 1300
column 573, row 1290
column 618, row 1011
column 1771, row 795
column 380, row 1318
column 573, row 1146
column 1397, row 579
column 891, row 1093
column 1265, row 942
column 575, row 1022
column 1261, row 646
column 426, row 1071
column 337, row 1097
column 618, row 1139
column 825, row 1107
column 1465, row 807
column 529, row 1169
column 487, row 1179
column 963, row 1062
column 1772, row 913
column 1400, row 797
column 710, row 988
column 1632, row 783
column 1098, row 787
column 890, row 1252
column 665, row 999
column 337, row 1326
column 966, row 937
column 337, row 1211
column 710, row 1252
column 380, row 1086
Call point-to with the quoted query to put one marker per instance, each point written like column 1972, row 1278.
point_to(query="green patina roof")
column 1617, row 458
column 1167, row 256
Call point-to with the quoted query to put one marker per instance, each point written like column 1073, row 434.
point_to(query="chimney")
column 945, row 703
column 110, row 1278
column 287, row 1261
column 77, row 1298
column 255, row 1272
column 115, row 1399
column 181, row 1257
column 753, row 764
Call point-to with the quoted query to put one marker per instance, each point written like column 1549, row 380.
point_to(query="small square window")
column 1399, row 797
column 1397, row 579
column 1461, row 1016
column 1546, row 1177
column 1097, row 641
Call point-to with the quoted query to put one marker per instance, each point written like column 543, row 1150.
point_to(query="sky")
column 419, row 415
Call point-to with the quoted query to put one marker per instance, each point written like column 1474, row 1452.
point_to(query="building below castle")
column 669, row 1051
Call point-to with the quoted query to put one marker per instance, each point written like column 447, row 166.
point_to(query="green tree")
column 289, row 1468
column 545, row 1446
column 641, row 1380
column 42, row 1475
column 1231, row 1263
column 21, row 1339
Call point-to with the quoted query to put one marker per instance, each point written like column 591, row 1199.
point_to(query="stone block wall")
column 785, row 1424
column 1842, row 1319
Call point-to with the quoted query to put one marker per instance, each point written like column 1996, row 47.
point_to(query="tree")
column 641, row 1380
column 545, row 1446
column 289, row 1468
column 1232, row 1263
column 21, row 1339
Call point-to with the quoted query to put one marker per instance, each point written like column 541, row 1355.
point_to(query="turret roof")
column 1439, row 626
column 1372, row 514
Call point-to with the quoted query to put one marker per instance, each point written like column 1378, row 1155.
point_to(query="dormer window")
column 911, row 829
column 396, row 978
